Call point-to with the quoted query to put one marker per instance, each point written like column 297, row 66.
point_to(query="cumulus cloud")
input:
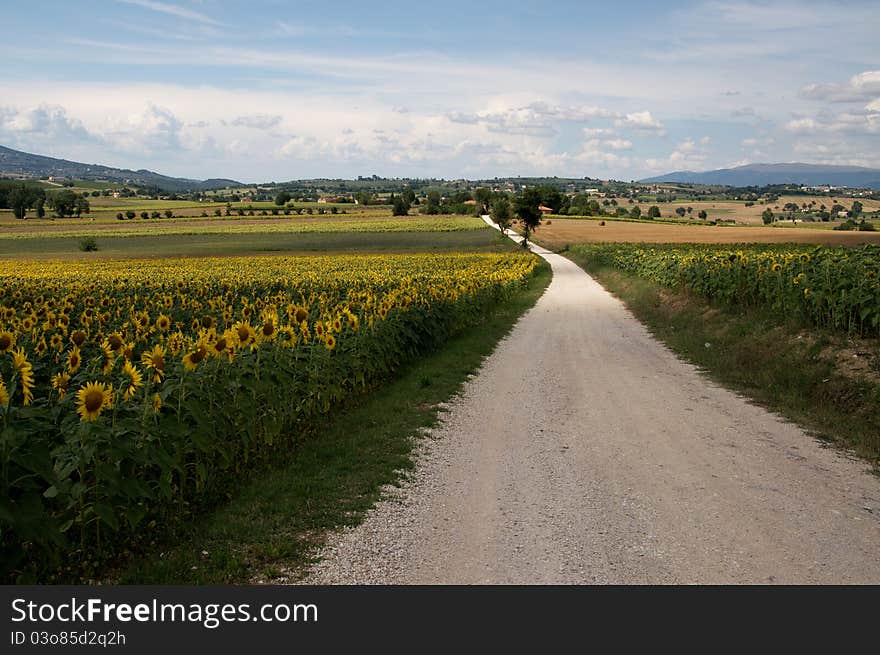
column 641, row 121
column 687, row 155
column 43, row 121
column 257, row 121
column 861, row 87
column 856, row 123
column 537, row 118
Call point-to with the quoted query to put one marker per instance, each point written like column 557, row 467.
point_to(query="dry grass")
column 562, row 232
column 736, row 209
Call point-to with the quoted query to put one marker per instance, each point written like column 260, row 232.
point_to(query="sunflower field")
column 131, row 391
column 836, row 288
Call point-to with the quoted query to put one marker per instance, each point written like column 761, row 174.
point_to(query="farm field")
column 736, row 209
column 561, row 232
column 133, row 390
column 105, row 209
column 237, row 237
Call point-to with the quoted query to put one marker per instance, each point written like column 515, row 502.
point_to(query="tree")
column 63, row 203
column 282, row 198
column 681, row 211
column 81, row 206
column 856, row 209
column 364, row 198
column 483, row 197
column 130, row 214
column 635, row 212
column 399, row 207
column 409, row 197
column 653, row 212
column 526, row 207
column 500, row 213
column 432, row 204
column 169, row 213
column 144, row 216
column 767, row 216
column 702, row 215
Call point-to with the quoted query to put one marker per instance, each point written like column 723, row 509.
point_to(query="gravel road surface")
column 584, row 451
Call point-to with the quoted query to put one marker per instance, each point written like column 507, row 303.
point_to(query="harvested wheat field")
column 559, row 232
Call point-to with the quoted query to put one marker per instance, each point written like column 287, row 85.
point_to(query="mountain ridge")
column 782, row 173
column 18, row 162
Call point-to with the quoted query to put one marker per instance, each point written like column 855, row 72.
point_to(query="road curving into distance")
column 584, row 451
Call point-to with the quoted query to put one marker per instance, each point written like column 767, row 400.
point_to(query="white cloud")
column 861, row 87
column 257, row 121
column 856, row 123
column 173, row 10
column 641, row 121
column 591, row 132
column 618, row 144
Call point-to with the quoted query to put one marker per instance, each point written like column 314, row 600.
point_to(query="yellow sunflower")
column 60, row 382
column 7, row 341
column 135, row 380
column 92, row 399
column 163, row 323
column 157, row 403
column 192, row 360
column 270, row 326
column 4, row 394
column 154, row 360
column 74, row 359
column 244, row 333
column 78, row 337
column 25, row 375
column 330, row 342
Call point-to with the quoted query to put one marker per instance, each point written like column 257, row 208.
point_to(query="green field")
column 205, row 245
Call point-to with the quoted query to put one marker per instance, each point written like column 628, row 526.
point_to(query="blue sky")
column 275, row 90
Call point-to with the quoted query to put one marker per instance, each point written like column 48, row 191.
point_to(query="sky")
column 274, row 91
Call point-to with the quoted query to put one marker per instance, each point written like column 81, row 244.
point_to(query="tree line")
column 22, row 197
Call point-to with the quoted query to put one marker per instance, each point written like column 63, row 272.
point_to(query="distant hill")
column 764, row 174
column 17, row 162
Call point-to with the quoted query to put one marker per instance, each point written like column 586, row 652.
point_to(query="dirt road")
column 585, row 452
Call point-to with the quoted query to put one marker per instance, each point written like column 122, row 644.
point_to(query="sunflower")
column 330, row 342
column 56, row 341
column 25, row 374
column 163, row 323
column 777, row 267
column 7, row 341
column 192, row 360
column 92, row 399
column 157, row 403
column 42, row 346
column 135, row 380
column 244, row 333
column 128, row 351
column 115, row 341
column 78, row 337
column 301, row 315
column 109, row 357
column 60, row 381
column 288, row 336
column 74, row 359
column 4, row 394
column 270, row 326
column 154, row 360
column 207, row 322
column 223, row 345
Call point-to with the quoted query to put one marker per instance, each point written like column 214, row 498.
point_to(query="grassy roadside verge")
column 276, row 519
column 820, row 380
